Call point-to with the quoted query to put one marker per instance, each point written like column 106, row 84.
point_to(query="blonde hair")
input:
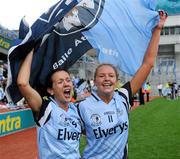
column 106, row 64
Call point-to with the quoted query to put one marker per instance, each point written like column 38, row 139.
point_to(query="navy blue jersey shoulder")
column 37, row 116
column 127, row 86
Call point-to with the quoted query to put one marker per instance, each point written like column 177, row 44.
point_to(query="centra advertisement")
column 11, row 122
column 5, row 43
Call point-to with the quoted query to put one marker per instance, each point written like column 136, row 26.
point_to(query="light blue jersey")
column 58, row 132
column 106, row 125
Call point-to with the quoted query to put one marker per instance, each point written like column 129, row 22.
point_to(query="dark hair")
column 106, row 64
column 49, row 79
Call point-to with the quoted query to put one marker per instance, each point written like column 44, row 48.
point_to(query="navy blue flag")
column 42, row 27
column 119, row 30
column 23, row 28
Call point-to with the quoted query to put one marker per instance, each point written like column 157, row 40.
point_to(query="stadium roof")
column 9, row 34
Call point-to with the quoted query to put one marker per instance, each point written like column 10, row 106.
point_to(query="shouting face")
column 62, row 87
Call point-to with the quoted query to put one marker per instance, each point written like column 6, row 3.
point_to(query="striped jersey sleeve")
column 81, row 119
column 126, row 93
column 44, row 114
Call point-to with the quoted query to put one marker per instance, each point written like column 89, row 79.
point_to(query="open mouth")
column 107, row 85
column 67, row 93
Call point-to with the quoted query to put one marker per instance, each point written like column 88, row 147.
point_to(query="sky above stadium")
column 12, row 11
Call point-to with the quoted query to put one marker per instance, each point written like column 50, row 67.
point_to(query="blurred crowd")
column 170, row 90
column 3, row 81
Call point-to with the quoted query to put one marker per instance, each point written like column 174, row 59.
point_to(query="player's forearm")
column 24, row 72
column 148, row 62
column 31, row 95
column 151, row 53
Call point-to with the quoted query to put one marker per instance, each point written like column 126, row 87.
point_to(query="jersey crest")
column 95, row 120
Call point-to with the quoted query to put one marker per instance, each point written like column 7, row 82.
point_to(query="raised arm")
column 32, row 97
column 149, row 57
